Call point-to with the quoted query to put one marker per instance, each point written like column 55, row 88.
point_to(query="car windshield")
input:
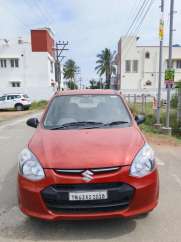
column 25, row 96
column 86, row 111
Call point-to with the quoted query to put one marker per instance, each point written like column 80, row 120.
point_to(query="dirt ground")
column 162, row 140
column 9, row 114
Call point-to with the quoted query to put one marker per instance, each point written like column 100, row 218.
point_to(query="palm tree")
column 105, row 65
column 72, row 85
column 70, row 69
column 93, row 84
column 96, row 84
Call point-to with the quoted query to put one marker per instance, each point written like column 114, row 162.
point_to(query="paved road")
column 162, row 225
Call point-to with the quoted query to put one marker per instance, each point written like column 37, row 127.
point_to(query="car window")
column 3, row 98
column 86, row 108
column 17, row 96
column 25, row 96
column 10, row 97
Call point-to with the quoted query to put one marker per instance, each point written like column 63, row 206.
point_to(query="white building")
column 27, row 66
column 138, row 67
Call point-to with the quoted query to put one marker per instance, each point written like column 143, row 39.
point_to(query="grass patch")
column 150, row 115
column 38, row 105
column 149, row 129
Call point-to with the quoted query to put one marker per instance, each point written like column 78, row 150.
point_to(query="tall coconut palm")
column 70, row 69
column 105, row 65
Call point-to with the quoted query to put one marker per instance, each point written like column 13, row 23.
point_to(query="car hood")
column 86, row 148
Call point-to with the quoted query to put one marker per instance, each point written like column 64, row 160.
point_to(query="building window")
column 147, row 55
column 15, row 84
column 51, row 66
column 128, row 66
column 148, row 83
column 135, row 66
column 3, row 63
column 14, row 63
column 178, row 64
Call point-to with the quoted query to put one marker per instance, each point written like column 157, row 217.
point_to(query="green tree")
column 96, row 84
column 70, row 69
column 105, row 65
column 72, row 85
column 93, row 84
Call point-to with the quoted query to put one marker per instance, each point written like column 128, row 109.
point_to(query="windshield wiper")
column 85, row 124
column 116, row 123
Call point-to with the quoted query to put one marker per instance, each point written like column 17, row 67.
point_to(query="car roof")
column 88, row 92
column 6, row 94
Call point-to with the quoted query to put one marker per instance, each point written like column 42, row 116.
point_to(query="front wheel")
column 19, row 107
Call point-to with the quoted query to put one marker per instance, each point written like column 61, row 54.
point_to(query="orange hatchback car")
column 87, row 159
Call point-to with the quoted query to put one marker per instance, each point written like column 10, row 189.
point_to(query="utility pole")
column 80, row 82
column 60, row 47
column 170, row 66
column 161, row 33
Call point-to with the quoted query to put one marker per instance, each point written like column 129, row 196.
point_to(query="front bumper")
column 143, row 200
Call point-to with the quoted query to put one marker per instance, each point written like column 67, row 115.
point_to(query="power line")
column 138, row 28
column 139, row 13
column 131, row 13
column 43, row 12
column 50, row 15
column 37, row 8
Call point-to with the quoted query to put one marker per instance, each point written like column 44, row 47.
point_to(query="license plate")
column 85, row 196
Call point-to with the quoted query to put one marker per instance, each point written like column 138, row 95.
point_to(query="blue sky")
column 89, row 25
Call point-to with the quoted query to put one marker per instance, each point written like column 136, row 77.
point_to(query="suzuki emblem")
column 87, row 176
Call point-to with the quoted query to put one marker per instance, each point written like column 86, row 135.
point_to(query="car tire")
column 19, row 107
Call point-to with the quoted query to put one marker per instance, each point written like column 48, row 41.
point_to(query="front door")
column 3, row 102
column 11, row 101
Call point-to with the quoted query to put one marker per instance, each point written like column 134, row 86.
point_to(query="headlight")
column 29, row 166
column 143, row 163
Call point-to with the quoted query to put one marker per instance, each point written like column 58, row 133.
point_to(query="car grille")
column 79, row 171
column 56, row 198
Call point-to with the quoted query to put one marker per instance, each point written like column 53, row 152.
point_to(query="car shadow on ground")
column 35, row 230
column 14, row 225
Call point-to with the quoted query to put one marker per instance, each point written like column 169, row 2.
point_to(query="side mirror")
column 140, row 119
column 32, row 122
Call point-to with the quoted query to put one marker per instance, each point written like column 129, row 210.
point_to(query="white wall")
column 129, row 52
column 148, row 68
column 33, row 71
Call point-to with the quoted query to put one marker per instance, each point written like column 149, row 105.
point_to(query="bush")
column 174, row 101
column 148, row 126
column 150, row 119
column 39, row 104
